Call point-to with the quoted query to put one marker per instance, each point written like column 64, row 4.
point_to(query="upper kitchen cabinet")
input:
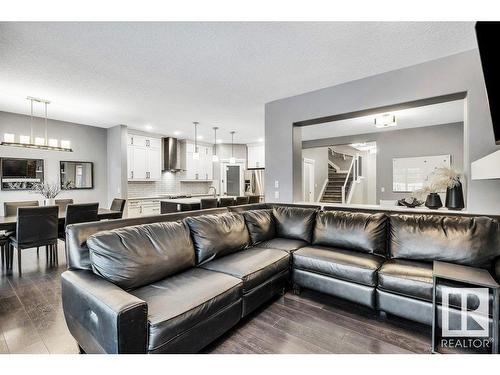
column 143, row 158
column 256, row 156
column 200, row 169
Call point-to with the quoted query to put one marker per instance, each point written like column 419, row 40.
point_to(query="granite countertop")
column 192, row 200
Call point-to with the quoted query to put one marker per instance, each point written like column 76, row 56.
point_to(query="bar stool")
column 241, row 200
column 226, row 202
column 206, row 203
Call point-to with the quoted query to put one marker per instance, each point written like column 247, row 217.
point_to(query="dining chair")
column 35, row 227
column 118, row 205
column 206, row 203
column 226, row 202
column 4, row 240
column 79, row 213
column 253, row 199
column 62, row 203
column 10, row 208
column 241, row 200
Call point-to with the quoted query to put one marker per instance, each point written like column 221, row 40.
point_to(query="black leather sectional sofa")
column 174, row 283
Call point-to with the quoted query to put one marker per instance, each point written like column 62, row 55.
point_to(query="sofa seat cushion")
column 253, row 266
column 414, row 279
column 180, row 302
column 409, row 278
column 284, row 244
column 343, row 264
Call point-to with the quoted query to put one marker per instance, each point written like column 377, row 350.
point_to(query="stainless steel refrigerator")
column 255, row 182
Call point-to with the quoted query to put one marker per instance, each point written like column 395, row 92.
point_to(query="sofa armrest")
column 102, row 317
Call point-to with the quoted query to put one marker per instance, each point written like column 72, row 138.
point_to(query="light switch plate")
column 276, row 195
column 382, row 189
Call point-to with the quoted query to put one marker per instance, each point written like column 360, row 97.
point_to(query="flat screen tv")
column 487, row 34
column 20, row 174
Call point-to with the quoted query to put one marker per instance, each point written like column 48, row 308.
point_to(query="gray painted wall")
column 424, row 141
column 457, row 73
column 87, row 142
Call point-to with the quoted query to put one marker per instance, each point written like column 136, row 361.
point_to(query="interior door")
column 308, row 179
column 233, row 180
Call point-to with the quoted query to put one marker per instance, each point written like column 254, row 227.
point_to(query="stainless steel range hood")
column 171, row 155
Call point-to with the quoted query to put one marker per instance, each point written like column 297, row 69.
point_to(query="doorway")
column 232, row 179
column 309, row 185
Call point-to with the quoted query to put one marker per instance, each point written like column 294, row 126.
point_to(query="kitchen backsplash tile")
column 170, row 184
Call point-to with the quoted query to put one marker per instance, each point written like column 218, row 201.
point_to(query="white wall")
column 88, row 144
column 460, row 73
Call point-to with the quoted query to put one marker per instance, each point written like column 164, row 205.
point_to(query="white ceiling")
column 430, row 115
column 221, row 74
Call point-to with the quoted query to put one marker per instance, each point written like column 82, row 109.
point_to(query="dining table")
column 8, row 223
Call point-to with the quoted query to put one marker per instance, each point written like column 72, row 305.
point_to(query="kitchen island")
column 169, row 205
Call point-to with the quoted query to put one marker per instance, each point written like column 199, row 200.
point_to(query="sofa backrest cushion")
column 261, row 225
column 294, row 222
column 218, row 235
column 134, row 256
column 471, row 241
column 351, row 230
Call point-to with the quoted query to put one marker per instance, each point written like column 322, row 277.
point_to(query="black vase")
column 433, row 201
column 455, row 197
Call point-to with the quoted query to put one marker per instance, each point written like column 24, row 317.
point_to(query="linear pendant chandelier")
column 38, row 142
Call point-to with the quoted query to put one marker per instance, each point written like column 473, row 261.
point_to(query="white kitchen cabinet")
column 143, row 158
column 256, row 156
column 143, row 207
column 202, row 168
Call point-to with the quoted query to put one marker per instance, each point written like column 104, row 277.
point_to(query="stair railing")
column 353, row 170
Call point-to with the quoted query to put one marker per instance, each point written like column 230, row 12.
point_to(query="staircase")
column 333, row 190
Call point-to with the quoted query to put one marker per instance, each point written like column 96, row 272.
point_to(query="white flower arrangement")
column 47, row 190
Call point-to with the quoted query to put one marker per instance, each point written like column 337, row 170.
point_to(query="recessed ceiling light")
column 219, row 140
column 260, row 140
column 148, row 127
column 385, row 121
column 177, row 132
column 200, row 137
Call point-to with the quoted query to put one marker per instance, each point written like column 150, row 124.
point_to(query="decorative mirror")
column 77, row 175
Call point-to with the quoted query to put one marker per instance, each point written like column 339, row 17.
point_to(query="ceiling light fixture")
column 215, row 158
column 196, row 154
column 148, row 127
column 41, row 143
column 385, row 121
column 232, row 159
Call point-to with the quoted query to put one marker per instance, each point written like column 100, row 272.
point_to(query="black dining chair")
column 35, row 227
column 226, row 202
column 241, row 200
column 206, row 203
column 253, row 199
column 4, row 240
column 10, row 208
column 79, row 213
column 118, row 205
column 62, row 203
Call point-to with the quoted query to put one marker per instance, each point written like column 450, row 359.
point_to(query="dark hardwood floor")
column 32, row 321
